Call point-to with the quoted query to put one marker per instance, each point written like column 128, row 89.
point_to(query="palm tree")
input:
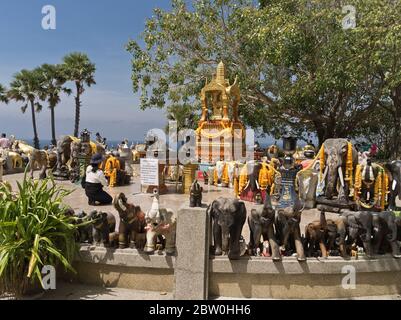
column 3, row 94
column 25, row 88
column 78, row 68
column 51, row 87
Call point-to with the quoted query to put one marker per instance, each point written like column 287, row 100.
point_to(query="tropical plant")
column 51, row 87
column 25, row 88
column 79, row 69
column 3, row 94
column 34, row 231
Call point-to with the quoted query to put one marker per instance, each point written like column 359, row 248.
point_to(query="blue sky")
column 99, row 28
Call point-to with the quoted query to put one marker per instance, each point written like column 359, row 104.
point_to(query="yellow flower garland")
column 358, row 182
column 266, row 176
column 321, row 159
column 243, row 178
column 349, row 166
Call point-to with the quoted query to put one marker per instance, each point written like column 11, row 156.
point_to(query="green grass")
column 34, row 231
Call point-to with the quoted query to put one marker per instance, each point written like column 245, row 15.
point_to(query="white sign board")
column 150, row 172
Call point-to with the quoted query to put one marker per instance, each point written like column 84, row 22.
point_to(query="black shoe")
column 92, row 203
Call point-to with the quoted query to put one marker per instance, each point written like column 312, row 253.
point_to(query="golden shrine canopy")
column 219, row 125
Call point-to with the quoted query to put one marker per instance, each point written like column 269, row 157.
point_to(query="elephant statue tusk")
column 121, row 204
column 394, row 184
column 340, row 174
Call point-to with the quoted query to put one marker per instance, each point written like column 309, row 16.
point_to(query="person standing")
column 99, row 138
column 95, row 180
column 4, row 141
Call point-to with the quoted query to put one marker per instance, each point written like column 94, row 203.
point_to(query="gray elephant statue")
column 358, row 228
column 85, row 229
column 336, row 152
column 63, row 150
column 228, row 216
column 370, row 189
column 195, row 195
column 385, row 232
column 322, row 235
column 131, row 232
column 394, row 171
column 104, row 224
column 261, row 223
column 288, row 229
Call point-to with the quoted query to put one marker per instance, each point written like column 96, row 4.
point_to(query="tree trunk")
column 77, row 109
column 53, row 124
column 35, row 130
column 396, row 146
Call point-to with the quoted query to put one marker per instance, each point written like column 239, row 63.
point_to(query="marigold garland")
column 322, row 160
column 243, row 178
column 266, row 176
column 358, row 182
column 349, row 166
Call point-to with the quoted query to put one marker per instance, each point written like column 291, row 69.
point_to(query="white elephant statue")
column 160, row 222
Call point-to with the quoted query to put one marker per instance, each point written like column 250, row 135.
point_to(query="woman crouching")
column 94, row 183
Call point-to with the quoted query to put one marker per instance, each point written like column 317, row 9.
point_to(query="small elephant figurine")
column 103, row 225
column 85, row 230
column 132, row 223
column 358, row 227
column 385, row 226
column 324, row 235
column 261, row 223
column 228, row 216
column 287, row 226
column 195, row 198
column 160, row 222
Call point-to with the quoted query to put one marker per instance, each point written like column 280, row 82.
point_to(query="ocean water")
column 111, row 143
column 114, row 143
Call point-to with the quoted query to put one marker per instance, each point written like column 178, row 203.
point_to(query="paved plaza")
column 78, row 200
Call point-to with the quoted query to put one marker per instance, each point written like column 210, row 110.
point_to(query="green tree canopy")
column 3, row 94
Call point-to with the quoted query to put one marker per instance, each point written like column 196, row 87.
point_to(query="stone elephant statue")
column 358, row 228
column 323, row 235
column 228, row 217
column 195, row 195
column 37, row 158
column 306, row 183
column 85, row 230
column 370, row 186
column 131, row 231
column 339, row 159
column 104, row 224
column 386, row 225
column 261, row 223
column 63, row 151
column 221, row 177
column 394, row 172
column 288, row 229
column 160, row 222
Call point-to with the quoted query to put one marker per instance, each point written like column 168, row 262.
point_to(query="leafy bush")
column 34, row 231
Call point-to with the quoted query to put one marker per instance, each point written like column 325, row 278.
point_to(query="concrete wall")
column 314, row 279
column 125, row 269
